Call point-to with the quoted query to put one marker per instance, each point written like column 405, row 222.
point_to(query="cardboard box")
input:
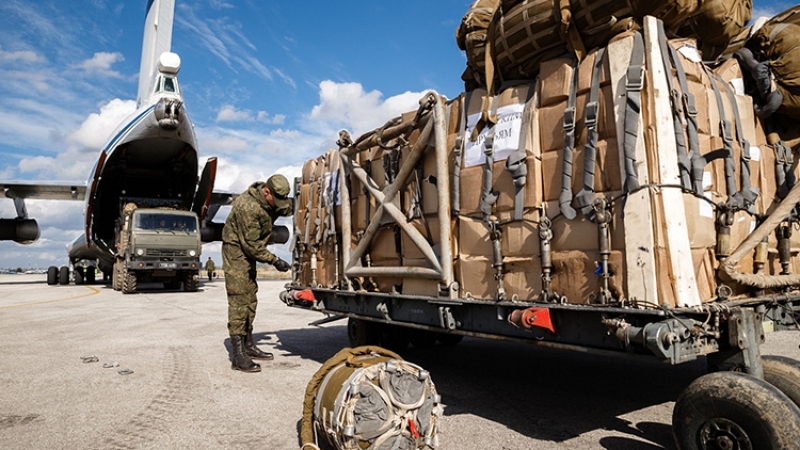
column 607, row 176
column 518, row 239
column 419, row 286
column 503, row 183
column 551, row 121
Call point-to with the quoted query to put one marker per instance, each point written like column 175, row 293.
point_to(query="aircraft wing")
column 54, row 190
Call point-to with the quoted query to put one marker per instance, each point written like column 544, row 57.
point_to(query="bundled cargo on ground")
column 594, row 181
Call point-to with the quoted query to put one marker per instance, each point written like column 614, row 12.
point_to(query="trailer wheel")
column 784, row 374
column 361, row 332
column 128, row 281
column 732, row 410
column 449, row 339
column 52, row 275
column 78, row 276
column 63, row 275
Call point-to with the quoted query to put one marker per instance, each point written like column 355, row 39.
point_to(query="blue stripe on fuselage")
column 113, row 143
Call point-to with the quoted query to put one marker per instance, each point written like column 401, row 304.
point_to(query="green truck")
column 157, row 245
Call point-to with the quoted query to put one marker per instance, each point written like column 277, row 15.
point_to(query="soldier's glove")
column 281, row 265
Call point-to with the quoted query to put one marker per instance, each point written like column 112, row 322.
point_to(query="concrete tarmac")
column 162, row 379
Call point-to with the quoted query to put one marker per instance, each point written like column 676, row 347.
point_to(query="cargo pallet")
column 748, row 401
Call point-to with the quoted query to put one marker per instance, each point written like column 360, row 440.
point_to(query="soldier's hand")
column 281, row 265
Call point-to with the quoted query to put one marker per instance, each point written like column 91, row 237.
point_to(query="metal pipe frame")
column 387, row 200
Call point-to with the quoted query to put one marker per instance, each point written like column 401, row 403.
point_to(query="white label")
column 506, row 135
column 755, row 153
column 708, row 180
column 738, row 86
column 691, row 53
column 706, row 210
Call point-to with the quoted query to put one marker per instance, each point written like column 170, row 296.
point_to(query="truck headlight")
column 192, row 252
column 140, row 252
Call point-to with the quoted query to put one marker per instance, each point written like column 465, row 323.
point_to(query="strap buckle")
column 688, row 104
column 635, row 77
column 569, row 119
column 591, row 114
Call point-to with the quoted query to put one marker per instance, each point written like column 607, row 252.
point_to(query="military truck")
column 157, row 245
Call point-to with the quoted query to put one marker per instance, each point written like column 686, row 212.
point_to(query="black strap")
column 633, row 109
column 679, row 114
column 585, row 197
column 749, row 194
column 565, row 198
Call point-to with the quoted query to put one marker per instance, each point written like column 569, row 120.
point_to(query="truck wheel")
column 449, row 339
column 116, row 276
column 361, row 332
column 172, row 284
column 732, row 410
column 63, row 275
column 191, row 283
column 128, row 282
column 784, row 374
column 78, row 276
column 52, row 275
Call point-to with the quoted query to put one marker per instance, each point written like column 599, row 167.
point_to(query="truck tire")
column 52, row 275
column 116, row 276
column 128, row 281
column 63, row 275
column 734, row 410
column 361, row 332
column 784, row 374
column 172, row 284
column 192, row 282
column 78, row 276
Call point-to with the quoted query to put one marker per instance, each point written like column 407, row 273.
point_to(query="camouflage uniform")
column 244, row 242
column 210, row 267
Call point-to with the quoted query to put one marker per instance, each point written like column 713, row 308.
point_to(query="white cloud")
column 101, row 63
column 349, row 105
column 277, row 119
column 229, row 113
column 95, row 130
column 25, row 56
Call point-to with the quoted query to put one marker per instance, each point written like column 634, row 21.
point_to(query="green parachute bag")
column 369, row 398
column 778, row 42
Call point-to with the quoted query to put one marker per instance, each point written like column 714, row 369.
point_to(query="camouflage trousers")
column 241, row 287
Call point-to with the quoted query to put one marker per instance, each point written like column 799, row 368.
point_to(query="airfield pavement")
column 182, row 394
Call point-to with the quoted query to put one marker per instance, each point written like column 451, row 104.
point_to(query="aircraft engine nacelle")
column 212, row 232
column 21, row 231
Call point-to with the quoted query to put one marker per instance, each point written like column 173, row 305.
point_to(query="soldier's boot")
column 240, row 361
column 252, row 351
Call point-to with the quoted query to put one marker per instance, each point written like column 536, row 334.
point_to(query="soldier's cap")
column 279, row 187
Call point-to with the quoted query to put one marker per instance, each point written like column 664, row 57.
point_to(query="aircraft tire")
column 52, row 275
column 63, row 275
column 128, row 282
column 90, row 275
column 79, row 278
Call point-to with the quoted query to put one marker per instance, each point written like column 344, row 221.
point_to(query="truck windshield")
column 164, row 222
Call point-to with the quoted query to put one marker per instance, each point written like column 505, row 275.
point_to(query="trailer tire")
column 63, row 275
column 52, row 275
column 128, row 281
column 449, row 339
column 362, row 332
column 734, row 410
column 784, row 374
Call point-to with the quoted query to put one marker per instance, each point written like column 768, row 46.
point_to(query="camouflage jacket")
column 249, row 224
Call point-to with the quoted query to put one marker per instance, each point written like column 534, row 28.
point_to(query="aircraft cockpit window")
column 168, row 84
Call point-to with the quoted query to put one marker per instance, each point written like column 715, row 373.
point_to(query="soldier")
column 244, row 242
column 210, row 267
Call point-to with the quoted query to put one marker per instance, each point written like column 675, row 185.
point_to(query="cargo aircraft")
column 152, row 154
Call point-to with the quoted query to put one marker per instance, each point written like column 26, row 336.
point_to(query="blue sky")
column 267, row 83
